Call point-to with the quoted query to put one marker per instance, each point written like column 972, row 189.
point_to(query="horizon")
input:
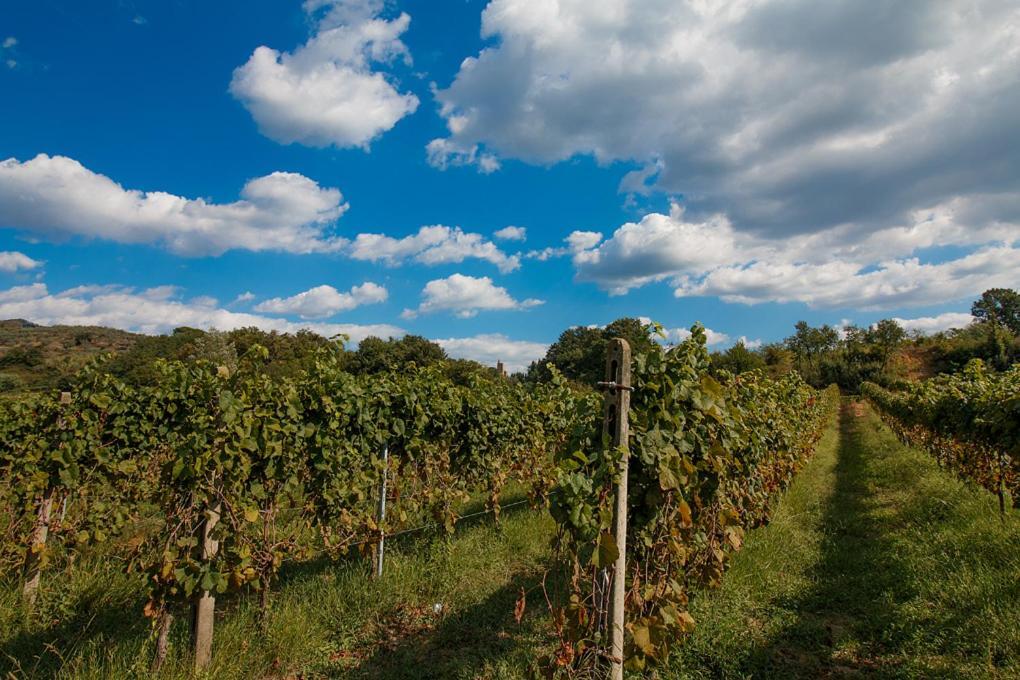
column 488, row 174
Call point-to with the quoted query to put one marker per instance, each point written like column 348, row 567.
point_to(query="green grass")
column 877, row 564
column 327, row 619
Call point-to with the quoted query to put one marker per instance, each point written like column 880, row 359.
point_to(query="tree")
column 375, row 355
column 808, row 344
column 886, row 336
column 738, row 359
column 999, row 306
column 580, row 352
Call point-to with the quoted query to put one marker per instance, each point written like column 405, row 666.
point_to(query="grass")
column 444, row 609
column 876, row 564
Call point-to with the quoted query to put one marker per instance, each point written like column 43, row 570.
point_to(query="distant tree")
column 886, row 336
column 216, row 347
column 580, row 352
column 999, row 306
column 808, row 345
column 460, row 371
column 778, row 359
column 289, row 353
column 634, row 331
column 738, row 359
column 375, row 355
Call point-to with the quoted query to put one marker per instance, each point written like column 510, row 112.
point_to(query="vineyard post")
column 616, row 409
column 40, row 532
column 379, row 549
column 204, row 608
column 36, row 545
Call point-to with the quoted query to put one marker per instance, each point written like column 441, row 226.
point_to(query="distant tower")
column 500, row 368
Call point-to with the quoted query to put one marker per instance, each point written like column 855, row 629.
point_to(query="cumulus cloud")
column 323, row 301
column 657, row 247
column 464, row 296
column 677, row 335
column 153, row 311
column 329, row 91
column 511, row 234
column 57, row 197
column 489, row 348
column 13, row 261
column 576, row 241
column 711, row 258
column 443, row 154
column 926, row 325
column 432, row 245
column 788, row 116
column 889, row 285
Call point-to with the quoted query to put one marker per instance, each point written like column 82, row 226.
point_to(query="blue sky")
column 742, row 168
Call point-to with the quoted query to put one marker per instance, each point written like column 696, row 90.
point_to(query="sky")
column 489, row 173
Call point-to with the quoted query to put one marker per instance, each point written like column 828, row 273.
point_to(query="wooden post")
column 204, row 607
column 615, row 418
column 36, row 545
column 380, row 548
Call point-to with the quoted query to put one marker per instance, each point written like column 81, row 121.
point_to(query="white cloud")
column 511, row 234
column 431, row 245
column 785, row 115
column 892, row 284
column 13, row 261
column 442, row 154
column 246, row 296
column 576, row 242
column 657, row 247
column 827, row 269
column 58, row 197
column 490, row 348
column 677, row 335
column 465, row 296
column 926, row 325
column 329, row 91
column 153, row 311
column 323, row 301
column 9, row 42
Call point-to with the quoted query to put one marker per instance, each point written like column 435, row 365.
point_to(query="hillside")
column 36, row 357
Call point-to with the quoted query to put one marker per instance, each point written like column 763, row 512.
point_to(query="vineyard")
column 213, row 481
column 969, row 421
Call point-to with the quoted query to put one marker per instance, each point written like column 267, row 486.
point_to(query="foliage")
column 737, row 359
column 999, row 306
column 375, row 355
column 580, row 352
column 706, row 459
column 272, row 468
column 969, row 421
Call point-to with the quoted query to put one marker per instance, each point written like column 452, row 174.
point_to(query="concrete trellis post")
column 203, row 610
column 616, row 409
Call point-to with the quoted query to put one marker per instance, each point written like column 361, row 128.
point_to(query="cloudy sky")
column 487, row 173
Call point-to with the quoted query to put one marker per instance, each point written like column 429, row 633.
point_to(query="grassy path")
column 877, row 564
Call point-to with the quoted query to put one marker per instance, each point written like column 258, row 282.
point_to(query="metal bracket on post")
column 380, row 548
column 616, row 408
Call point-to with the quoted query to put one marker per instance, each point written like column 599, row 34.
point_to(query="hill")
column 37, row 357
